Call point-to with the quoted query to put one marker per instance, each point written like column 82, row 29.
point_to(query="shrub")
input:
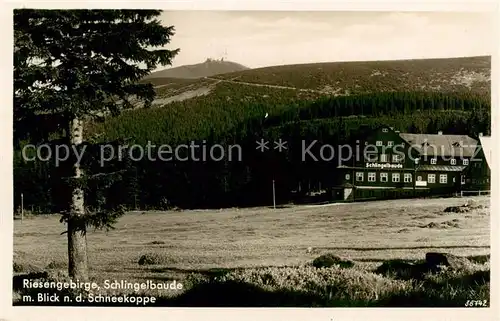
column 157, row 242
column 305, row 286
column 449, row 288
column 155, row 258
column 308, row 286
column 18, row 267
column 404, row 270
column 480, row 259
column 54, row 265
column 328, row 260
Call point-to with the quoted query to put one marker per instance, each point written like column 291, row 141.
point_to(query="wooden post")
column 414, row 183
column 22, row 206
column 274, row 196
column 415, row 163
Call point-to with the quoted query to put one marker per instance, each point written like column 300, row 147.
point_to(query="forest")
column 232, row 115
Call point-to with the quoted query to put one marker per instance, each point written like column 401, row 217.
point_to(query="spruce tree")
column 79, row 64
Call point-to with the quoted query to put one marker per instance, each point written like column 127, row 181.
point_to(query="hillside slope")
column 309, row 81
column 208, row 68
column 447, row 74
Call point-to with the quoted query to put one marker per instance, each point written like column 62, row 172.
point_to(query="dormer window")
column 465, row 162
column 433, row 161
column 396, row 158
column 385, row 130
column 453, row 161
column 378, row 143
column 390, row 143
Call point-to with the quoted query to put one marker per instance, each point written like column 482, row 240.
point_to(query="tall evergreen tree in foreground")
column 76, row 64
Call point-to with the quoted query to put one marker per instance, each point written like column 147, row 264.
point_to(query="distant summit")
column 208, row 68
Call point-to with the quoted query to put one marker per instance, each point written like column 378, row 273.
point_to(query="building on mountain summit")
column 411, row 163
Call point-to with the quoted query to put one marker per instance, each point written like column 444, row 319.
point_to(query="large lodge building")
column 385, row 159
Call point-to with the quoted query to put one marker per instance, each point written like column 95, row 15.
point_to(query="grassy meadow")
column 242, row 246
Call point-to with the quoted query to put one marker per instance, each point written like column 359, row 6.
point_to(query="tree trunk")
column 77, row 239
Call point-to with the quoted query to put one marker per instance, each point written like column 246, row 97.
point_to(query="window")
column 419, row 178
column 431, row 178
column 395, row 178
column 454, row 179
column 443, row 178
column 383, row 158
column 453, row 161
column 465, row 162
column 396, row 158
column 385, row 130
column 378, row 143
column 407, row 178
column 390, row 143
column 383, row 177
column 347, row 176
column 372, row 177
column 433, row 161
column 359, row 177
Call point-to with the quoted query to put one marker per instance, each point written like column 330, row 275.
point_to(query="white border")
column 7, row 312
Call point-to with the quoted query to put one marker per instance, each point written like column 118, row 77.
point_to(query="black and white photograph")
column 258, row 159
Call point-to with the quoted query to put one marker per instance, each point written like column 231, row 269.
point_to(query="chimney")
column 440, row 133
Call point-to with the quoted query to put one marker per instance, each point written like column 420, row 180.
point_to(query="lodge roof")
column 441, row 145
column 486, row 143
column 420, row 168
column 441, row 168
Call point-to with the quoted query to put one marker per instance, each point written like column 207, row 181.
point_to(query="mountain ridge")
column 461, row 74
column 208, row 68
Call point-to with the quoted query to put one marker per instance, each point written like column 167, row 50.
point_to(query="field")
column 205, row 242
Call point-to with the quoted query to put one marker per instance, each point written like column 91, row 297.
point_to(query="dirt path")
column 203, row 91
column 268, row 85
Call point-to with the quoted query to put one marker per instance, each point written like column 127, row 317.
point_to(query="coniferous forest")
column 233, row 115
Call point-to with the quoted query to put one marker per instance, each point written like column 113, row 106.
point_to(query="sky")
column 266, row 38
